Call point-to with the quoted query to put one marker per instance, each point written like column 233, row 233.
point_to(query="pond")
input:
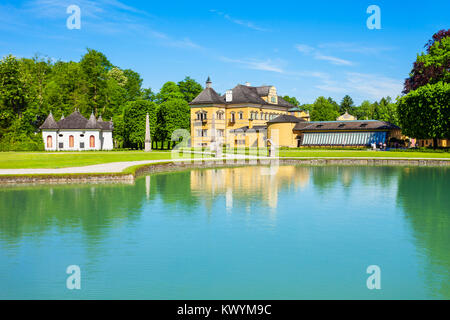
column 300, row 232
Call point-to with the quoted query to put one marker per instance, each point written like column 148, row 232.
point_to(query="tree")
column 425, row 113
column 324, row 110
column 346, row 104
column 148, row 94
column 364, row 111
column 95, row 68
column 189, row 88
column 292, row 100
column 387, row 111
column 172, row 114
column 169, row 91
column 13, row 94
column 133, row 85
column 432, row 67
column 134, row 121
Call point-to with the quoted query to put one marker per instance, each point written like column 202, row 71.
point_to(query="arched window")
column 49, row 142
column 71, row 142
column 92, row 141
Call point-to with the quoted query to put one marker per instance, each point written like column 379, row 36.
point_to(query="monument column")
column 148, row 142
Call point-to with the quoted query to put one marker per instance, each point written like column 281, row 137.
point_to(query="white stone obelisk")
column 148, row 142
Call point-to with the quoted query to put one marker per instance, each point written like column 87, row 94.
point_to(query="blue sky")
column 304, row 48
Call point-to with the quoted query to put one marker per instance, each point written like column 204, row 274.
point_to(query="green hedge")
column 34, row 143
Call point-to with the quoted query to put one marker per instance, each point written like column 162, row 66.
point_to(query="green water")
column 304, row 232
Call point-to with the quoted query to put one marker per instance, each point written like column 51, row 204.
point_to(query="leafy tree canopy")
column 432, row 66
column 292, row 100
column 425, row 112
column 324, row 110
column 346, row 104
column 189, row 88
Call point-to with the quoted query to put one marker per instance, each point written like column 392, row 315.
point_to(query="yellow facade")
column 443, row 143
column 234, row 117
column 282, row 132
column 251, row 179
column 239, row 118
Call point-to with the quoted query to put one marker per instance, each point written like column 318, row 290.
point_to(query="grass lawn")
column 363, row 153
column 22, row 160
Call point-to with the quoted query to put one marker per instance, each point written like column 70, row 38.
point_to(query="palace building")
column 239, row 117
column 76, row 133
column 247, row 116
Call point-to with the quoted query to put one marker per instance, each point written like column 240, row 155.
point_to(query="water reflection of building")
column 249, row 184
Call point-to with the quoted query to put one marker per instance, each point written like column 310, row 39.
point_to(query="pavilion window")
column 49, row 142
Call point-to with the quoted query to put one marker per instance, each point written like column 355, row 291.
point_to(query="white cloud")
column 309, row 50
column 333, row 60
column 362, row 84
column 304, row 48
column 108, row 17
column 263, row 65
column 244, row 23
column 354, row 47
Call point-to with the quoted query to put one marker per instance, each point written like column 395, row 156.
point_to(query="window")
column 92, row 142
column 49, row 142
column 273, row 100
column 61, row 145
column 71, row 142
column 220, row 115
column 81, row 145
column 202, row 133
column 220, row 132
column 241, row 115
column 202, row 115
column 232, row 117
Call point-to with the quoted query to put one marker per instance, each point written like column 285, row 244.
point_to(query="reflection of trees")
column 424, row 193
column 326, row 177
column 173, row 188
column 91, row 207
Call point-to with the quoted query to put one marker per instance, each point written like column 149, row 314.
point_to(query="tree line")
column 327, row 109
column 32, row 88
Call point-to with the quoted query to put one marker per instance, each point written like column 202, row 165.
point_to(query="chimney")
column 248, row 84
column 229, row 96
column 208, row 83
